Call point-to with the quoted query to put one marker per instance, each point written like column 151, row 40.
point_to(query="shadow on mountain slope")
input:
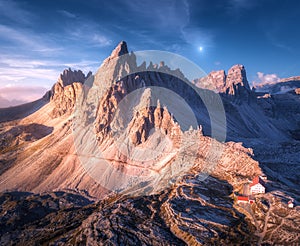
column 22, row 111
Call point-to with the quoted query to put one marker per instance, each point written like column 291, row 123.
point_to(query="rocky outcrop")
column 149, row 119
column 236, row 80
column 120, row 50
column 66, row 90
column 215, row 80
column 119, row 64
column 22, row 133
column 67, row 77
column 235, row 83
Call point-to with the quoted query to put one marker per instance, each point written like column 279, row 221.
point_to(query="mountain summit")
column 120, row 50
column 234, row 83
column 116, row 157
column 113, row 116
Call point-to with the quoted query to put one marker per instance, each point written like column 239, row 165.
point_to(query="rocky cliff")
column 235, row 83
column 65, row 91
column 126, row 167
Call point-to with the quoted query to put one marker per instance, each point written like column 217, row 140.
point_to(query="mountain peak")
column 232, row 83
column 65, row 91
column 68, row 76
column 120, row 50
column 237, row 75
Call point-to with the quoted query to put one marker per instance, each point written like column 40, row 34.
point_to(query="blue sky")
column 38, row 39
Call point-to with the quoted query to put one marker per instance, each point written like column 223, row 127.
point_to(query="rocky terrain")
column 234, row 83
column 191, row 212
column 116, row 158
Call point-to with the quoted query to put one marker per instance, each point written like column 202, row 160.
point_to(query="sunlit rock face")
column 66, row 90
column 160, row 181
column 67, row 77
column 236, row 80
column 235, row 83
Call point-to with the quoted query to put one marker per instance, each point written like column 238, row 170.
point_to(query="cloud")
column 35, row 58
column 18, row 71
column 18, row 67
column 161, row 14
column 84, row 65
column 15, row 72
column 18, row 34
column 48, row 50
column 240, row 5
column 101, row 40
column 21, row 70
column 169, row 20
column 14, row 12
column 198, row 36
column 19, row 62
column 66, row 13
column 274, row 38
column 23, row 39
column 236, row 8
column 265, row 80
column 13, row 95
column 88, row 33
column 19, row 37
column 4, row 103
column 14, row 76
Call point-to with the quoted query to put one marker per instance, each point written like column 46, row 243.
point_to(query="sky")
column 38, row 39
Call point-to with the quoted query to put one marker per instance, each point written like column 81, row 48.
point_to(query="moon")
column 200, row 48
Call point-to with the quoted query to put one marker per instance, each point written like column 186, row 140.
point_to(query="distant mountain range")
column 4, row 103
column 283, row 86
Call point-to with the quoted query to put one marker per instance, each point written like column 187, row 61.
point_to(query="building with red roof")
column 257, row 186
column 291, row 203
column 242, row 199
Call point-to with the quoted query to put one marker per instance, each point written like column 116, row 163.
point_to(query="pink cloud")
column 14, row 95
column 265, row 79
